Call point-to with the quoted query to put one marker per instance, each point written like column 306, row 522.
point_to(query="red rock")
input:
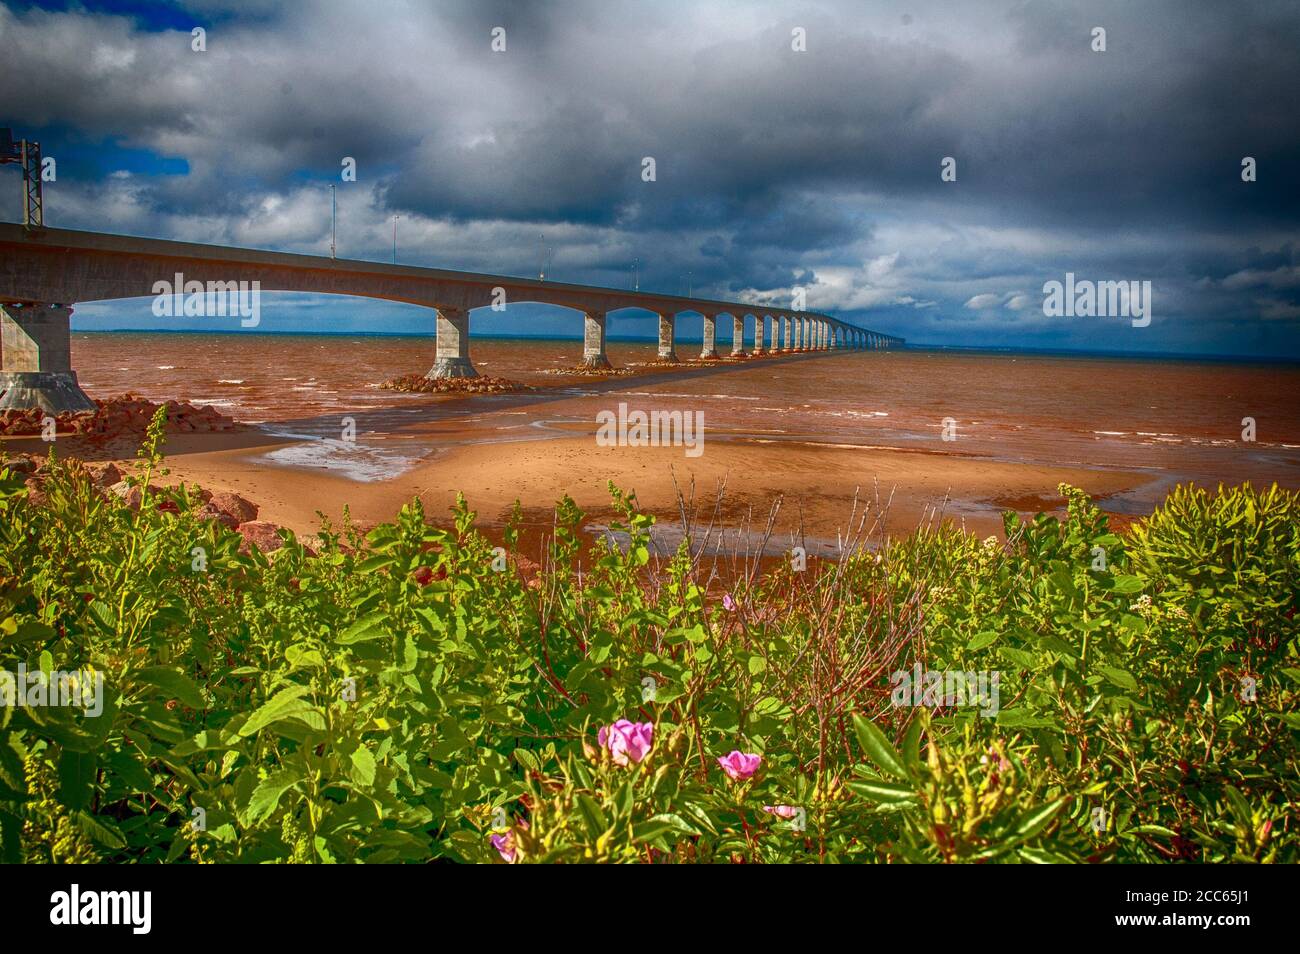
column 260, row 534
column 35, row 495
column 129, row 494
column 209, row 512
column 104, row 476
column 236, row 506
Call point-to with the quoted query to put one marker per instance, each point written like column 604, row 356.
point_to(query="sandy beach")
column 813, row 487
column 804, row 434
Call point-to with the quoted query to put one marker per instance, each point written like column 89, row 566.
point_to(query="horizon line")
column 651, row 339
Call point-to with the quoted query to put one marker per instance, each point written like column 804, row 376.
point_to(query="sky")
column 775, row 168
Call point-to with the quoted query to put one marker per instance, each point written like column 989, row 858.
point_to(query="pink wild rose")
column 740, row 765
column 626, row 741
column 728, row 603
column 504, row 843
column 505, row 846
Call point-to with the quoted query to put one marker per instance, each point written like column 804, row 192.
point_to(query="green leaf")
column 285, row 704
column 912, row 742
column 980, row 640
column 363, row 767
column 592, row 816
column 878, row 748
column 1033, row 822
column 101, row 830
column 76, row 776
column 367, row 628
column 1127, row 584
column 175, row 683
column 266, row 796
column 885, row 793
column 1120, row 677
column 1023, row 718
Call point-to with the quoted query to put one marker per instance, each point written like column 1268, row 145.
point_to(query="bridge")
column 45, row 272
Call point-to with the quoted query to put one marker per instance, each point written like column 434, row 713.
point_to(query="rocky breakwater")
column 125, row 415
column 419, row 384
column 228, row 509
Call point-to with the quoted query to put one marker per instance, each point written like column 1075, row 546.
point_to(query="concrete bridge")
column 44, row 272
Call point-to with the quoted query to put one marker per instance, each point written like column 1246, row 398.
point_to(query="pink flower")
column 505, row 846
column 740, row 765
column 504, row 843
column 626, row 741
column 781, row 811
column 728, row 603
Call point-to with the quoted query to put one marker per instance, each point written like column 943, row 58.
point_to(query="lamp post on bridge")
column 27, row 154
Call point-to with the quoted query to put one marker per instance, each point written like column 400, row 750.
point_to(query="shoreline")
column 815, row 483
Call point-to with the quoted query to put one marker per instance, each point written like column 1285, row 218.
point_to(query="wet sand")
column 815, row 486
column 808, row 430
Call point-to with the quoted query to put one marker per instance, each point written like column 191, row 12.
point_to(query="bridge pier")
column 760, row 334
column 452, row 349
column 667, row 331
column 710, row 348
column 593, row 340
column 737, row 335
column 36, row 368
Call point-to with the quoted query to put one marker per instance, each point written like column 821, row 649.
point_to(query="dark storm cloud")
column 773, row 167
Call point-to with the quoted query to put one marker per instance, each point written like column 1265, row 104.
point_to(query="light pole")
column 636, row 274
column 395, row 218
column 334, row 220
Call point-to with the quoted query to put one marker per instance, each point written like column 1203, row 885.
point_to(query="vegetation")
column 403, row 697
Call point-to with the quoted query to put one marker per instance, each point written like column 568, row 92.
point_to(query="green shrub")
column 398, row 698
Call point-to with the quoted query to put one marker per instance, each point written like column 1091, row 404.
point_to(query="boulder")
column 234, row 505
column 35, row 495
column 261, row 534
column 210, row 512
column 104, row 476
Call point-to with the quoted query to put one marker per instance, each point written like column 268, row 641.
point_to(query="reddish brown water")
column 1177, row 419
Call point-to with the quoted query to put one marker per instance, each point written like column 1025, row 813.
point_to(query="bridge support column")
column 37, row 363
column 760, row 334
column 593, row 340
column 710, row 349
column 784, row 335
column 667, row 329
column 737, row 335
column 823, row 336
column 453, row 345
